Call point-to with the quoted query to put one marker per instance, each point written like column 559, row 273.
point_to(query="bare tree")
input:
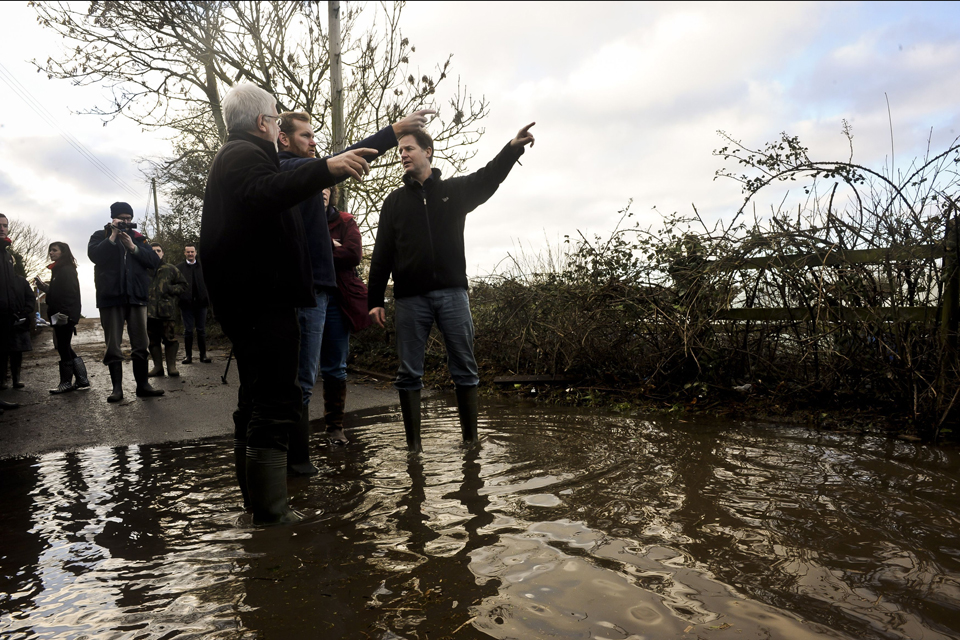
column 31, row 245
column 168, row 63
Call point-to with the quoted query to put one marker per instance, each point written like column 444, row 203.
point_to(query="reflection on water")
column 561, row 525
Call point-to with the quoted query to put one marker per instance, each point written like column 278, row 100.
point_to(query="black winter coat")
column 251, row 231
column 196, row 293
column 63, row 293
column 315, row 213
column 122, row 278
column 420, row 232
column 10, row 295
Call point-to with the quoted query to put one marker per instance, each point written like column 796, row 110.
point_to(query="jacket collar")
column 268, row 147
column 411, row 182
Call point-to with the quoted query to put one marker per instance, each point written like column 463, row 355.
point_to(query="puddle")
column 562, row 525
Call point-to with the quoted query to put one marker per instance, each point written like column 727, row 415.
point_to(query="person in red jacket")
column 346, row 314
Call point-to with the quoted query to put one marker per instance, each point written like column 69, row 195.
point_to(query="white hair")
column 243, row 104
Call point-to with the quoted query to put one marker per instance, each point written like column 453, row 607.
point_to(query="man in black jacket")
column 193, row 305
column 257, row 271
column 420, row 242
column 297, row 146
column 10, row 303
column 122, row 261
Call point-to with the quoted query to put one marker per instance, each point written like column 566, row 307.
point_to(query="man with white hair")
column 257, row 271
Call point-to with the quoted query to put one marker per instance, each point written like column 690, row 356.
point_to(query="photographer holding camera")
column 122, row 262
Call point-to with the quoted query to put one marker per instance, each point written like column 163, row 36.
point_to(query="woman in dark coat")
column 346, row 314
column 63, row 310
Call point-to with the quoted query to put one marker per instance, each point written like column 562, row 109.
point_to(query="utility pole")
column 156, row 209
column 336, row 89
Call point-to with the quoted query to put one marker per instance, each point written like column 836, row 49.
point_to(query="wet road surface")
column 562, row 525
column 196, row 405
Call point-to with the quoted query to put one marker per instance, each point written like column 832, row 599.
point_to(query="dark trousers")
column 6, row 335
column 62, row 337
column 161, row 331
column 112, row 320
column 266, row 345
column 194, row 317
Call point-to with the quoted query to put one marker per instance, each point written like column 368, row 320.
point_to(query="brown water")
column 563, row 525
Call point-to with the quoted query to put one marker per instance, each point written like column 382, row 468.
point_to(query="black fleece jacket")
column 315, row 213
column 252, row 240
column 420, row 232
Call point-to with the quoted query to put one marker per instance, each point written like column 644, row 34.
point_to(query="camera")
column 127, row 226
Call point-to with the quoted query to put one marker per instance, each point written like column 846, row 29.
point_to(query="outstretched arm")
column 476, row 188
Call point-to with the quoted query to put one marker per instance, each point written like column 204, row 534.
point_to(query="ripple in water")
column 561, row 525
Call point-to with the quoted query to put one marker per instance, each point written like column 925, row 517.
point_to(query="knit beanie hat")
column 120, row 208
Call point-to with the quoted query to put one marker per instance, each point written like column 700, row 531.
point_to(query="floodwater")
column 563, row 524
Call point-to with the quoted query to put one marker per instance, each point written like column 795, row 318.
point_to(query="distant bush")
column 654, row 311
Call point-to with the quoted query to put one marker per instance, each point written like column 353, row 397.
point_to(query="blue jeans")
column 312, row 320
column 336, row 343
column 194, row 317
column 450, row 309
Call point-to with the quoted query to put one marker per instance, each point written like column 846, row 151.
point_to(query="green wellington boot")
column 266, row 471
column 170, row 350
column 298, row 456
column 156, row 354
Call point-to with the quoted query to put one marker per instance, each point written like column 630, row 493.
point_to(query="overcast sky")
column 627, row 99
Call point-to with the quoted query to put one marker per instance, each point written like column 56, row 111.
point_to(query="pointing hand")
column 413, row 122
column 351, row 163
column 524, row 137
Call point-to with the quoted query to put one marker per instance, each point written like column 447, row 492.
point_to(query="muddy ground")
column 196, row 405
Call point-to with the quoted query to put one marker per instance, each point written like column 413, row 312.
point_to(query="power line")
column 24, row 94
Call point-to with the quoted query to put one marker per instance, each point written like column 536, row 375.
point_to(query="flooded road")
column 562, row 525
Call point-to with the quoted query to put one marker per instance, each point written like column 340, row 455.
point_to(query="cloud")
column 628, row 98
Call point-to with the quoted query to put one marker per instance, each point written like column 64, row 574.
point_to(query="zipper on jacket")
column 433, row 253
column 123, row 271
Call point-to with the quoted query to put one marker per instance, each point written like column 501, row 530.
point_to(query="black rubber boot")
column 188, row 349
column 80, row 373
column 202, row 345
column 8, row 405
column 116, row 378
column 266, row 471
column 4, row 364
column 240, row 466
column 156, row 355
column 334, row 400
column 171, row 352
column 66, row 378
column 16, row 363
column 298, row 456
column 467, row 408
column 144, row 390
column 410, row 408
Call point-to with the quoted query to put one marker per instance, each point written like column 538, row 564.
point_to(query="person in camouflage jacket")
column 166, row 287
